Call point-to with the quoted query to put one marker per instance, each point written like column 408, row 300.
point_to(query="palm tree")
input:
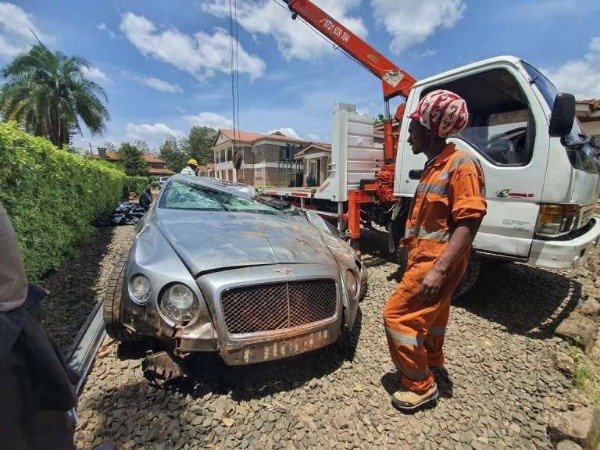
column 48, row 95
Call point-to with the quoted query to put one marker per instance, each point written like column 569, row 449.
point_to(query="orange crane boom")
column 395, row 82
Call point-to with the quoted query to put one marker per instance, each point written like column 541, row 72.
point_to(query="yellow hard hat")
column 192, row 162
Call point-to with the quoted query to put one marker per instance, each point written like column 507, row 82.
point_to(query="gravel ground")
column 502, row 386
column 77, row 284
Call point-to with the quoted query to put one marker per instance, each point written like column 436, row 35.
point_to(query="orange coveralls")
column 451, row 189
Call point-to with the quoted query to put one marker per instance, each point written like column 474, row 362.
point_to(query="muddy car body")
column 214, row 269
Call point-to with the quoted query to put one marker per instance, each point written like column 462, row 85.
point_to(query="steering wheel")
column 510, row 144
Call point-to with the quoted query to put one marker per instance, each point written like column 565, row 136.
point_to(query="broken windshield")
column 190, row 196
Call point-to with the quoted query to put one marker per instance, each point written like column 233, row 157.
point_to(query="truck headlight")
column 179, row 303
column 351, row 283
column 555, row 220
column 139, row 289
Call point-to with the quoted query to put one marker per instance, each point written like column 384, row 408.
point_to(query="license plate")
column 285, row 348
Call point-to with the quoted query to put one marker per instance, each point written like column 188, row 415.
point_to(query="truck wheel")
column 471, row 275
column 401, row 258
column 113, row 299
column 468, row 281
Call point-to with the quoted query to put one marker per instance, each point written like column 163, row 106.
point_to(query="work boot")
column 409, row 401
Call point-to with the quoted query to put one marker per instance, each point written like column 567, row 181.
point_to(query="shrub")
column 51, row 196
column 134, row 184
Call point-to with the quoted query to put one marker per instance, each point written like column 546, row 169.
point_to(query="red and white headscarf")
column 442, row 112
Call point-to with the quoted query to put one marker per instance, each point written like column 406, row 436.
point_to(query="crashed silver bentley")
column 216, row 268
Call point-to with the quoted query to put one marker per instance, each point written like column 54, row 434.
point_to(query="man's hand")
column 432, row 283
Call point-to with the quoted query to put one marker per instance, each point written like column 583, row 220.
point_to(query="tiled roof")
column 593, row 103
column 311, row 146
column 250, row 137
column 155, row 171
column 150, row 159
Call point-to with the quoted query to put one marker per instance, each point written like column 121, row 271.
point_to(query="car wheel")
column 112, row 304
column 364, row 283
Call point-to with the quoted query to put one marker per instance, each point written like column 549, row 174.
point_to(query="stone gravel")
column 76, row 286
column 502, row 388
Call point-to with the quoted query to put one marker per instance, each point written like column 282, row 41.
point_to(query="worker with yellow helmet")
column 191, row 168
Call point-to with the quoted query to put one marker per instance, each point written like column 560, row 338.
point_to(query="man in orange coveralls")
column 447, row 210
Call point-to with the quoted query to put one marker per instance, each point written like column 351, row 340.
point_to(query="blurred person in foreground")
column 35, row 382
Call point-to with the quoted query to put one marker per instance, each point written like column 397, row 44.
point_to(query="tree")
column 48, row 95
column 198, row 144
column 380, row 119
column 173, row 155
column 130, row 158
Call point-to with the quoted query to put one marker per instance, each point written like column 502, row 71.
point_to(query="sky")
column 165, row 64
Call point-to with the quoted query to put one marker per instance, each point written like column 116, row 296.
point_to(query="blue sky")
column 165, row 63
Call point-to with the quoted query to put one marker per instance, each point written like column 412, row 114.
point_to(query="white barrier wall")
column 355, row 155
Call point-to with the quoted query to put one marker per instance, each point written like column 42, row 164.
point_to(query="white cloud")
column 288, row 131
column 103, row 27
column 201, row 54
column 95, row 74
column 151, row 132
column 161, row 85
column 579, row 76
column 154, row 83
column 410, row 22
column 209, row 119
column 294, row 38
column 16, row 30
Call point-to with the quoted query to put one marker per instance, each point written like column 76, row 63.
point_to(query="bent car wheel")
column 111, row 307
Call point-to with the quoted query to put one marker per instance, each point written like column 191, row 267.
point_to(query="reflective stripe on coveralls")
column 450, row 190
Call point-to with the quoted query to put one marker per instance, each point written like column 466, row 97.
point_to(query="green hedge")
column 51, row 196
column 135, row 184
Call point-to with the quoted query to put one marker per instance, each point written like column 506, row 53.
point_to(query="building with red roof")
column 266, row 159
column 156, row 166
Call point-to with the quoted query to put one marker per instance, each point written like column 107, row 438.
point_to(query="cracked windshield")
column 299, row 224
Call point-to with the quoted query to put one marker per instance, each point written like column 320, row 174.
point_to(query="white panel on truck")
column 355, row 154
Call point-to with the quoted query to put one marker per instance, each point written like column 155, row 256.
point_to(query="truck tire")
column 112, row 304
column 469, row 279
column 471, row 275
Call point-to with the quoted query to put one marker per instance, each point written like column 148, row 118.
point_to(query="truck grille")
column 278, row 306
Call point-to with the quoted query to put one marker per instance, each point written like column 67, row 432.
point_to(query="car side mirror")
column 563, row 115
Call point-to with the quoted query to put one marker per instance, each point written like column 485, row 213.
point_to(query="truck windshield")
column 581, row 154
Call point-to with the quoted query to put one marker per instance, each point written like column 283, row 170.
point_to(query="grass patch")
column 585, row 377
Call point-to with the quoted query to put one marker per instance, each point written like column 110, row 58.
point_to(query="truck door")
column 507, row 133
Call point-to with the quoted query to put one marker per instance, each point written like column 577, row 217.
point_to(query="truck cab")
column 541, row 189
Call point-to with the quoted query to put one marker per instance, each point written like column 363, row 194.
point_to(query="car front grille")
column 278, row 306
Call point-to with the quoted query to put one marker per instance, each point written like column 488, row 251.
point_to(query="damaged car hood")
column 214, row 240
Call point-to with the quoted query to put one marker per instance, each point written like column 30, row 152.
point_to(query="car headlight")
column 139, row 288
column 179, row 303
column 351, row 283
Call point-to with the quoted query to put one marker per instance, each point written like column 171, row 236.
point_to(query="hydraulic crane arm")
column 395, row 80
